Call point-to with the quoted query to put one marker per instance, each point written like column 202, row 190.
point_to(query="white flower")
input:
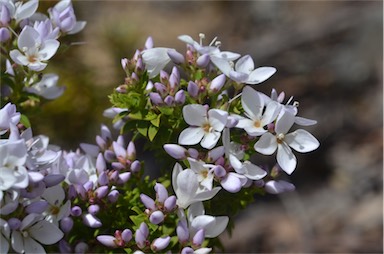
column 13, row 174
column 245, row 71
column 300, row 140
column 19, row 10
column 34, row 51
column 8, row 116
column 5, row 234
column 205, row 126
column 33, row 232
column 253, row 105
column 57, row 210
column 186, row 187
column 221, row 59
column 203, row 171
column 155, row 60
column 234, row 155
column 47, row 87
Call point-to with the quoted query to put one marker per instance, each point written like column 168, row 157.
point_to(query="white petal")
column 286, row 158
column 254, row 172
column 202, row 251
column 37, row 66
column 54, row 195
column 94, row 150
column 18, row 57
column 191, row 136
column 271, row 112
column 7, row 178
column 304, row 121
column 78, row 27
column 175, row 172
column 26, row 10
column 206, row 195
column 195, row 114
column 267, row 144
column 244, row 122
column 245, row 64
column 302, row 141
column 4, row 246
column 284, row 121
column 187, row 187
column 252, row 103
column 186, row 38
column 254, row 131
column 223, row 65
column 202, row 222
column 155, row 60
column 231, row 183
column 49, row 49
column 210, row 139
column 195, row 210
column 217, row 119
column 260, row 74
column 221, row 223
column 29, row 220
column 28, row 38
column 45, row 232
column 17, row 241
column 228, row 55
column 32, row 247
column 236, row 164
column 239, row 77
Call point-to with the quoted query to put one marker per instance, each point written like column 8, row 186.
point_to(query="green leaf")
column 142, row 128
column 156, row 121
column 166, row 110
column 25, row 121
column 152, row 131
column 137, row 210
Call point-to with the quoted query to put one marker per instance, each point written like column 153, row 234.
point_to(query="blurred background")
column 329, row 55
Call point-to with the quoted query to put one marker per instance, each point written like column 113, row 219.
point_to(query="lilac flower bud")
column 164, row 76
column 76, row 211
column 124, row 63
column 193, row 153
column 277, row 187
column 114, row 176
column 93, row 209
column 156, row 217
column 139, row 65
column 134, row 76
column 220, row 161
column 4, row 34
column 131, row 151
column 53, row 179
column 199, row 237
column 81, row 248
column 101, row 192
column 120, row 140
column 231, row 183
column 203, row 60
column 160, row 88
column 126, row 235
column 156, row 98
column 135, row 166
column 37, row 207
column 187, row 250
column 113, row 196
column 161, row 243
column 217, row 83
column 117, row 166
column 173, row 82
column 176, row 73
column 193, row 89
column 5, row 16
column 141, row 235
column 109, row 155
column 103, row 178
column 72, row 192
column 124, row 177
column 14, row 223
column 219, row 171
column 170, row 203
column 80, row 190
column 175, row 56
column 149, row 43
column 169, row 100
column 231, row 122
column 182, row 231
column 101, row 142
column 180, row 97
column 100, row 163
column 176, row 151
column 149, row 86
column 107, row 240
column 66, row 224
column 161, row 192
column 216, row 153
column 259, row 183
column 64, row 247
column 91, row 221
column 148, row 202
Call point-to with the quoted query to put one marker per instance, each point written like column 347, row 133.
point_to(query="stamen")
column 296, row 104
column 280, row 138
column 201, row 36
column 213, row 41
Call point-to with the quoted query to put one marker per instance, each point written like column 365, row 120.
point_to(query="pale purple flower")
column 204, row 126
column 160, row 243
column 8, row 115
column 19, row 10
column 63, row 16
column 47, row 87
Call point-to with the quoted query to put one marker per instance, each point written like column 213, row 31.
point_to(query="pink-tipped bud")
column 160, row 88
column 175, row 56
column 156, row 217
column 156, row 99
column 203, row 60
column 107, row 240
column 148, row 202
column 124, row 63
column 164, row 76
column 193, row 89
column 160, row 243
column 139, row 65
column 176, row 151
column 217, row 83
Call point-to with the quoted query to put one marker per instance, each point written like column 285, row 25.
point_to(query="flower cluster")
column 199, row 116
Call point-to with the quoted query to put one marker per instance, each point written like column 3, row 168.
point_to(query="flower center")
column 207, row 127
column 55, row 210
column 204, row 173
column 257, row 124
column 32, row 58
column 280, row 138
